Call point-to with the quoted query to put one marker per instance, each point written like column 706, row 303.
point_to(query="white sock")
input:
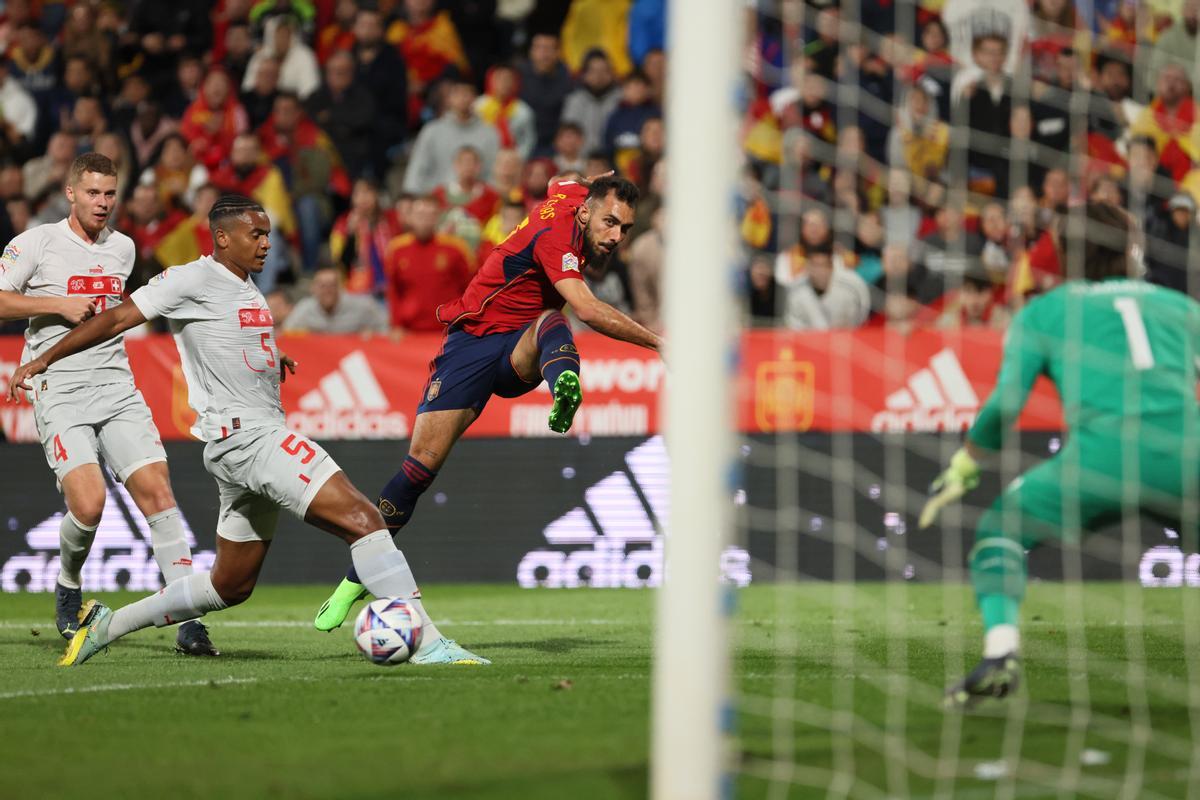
column 74, row 543
column 384, row 570
column 1000, row 640
column 180, row 600
column 170, row 545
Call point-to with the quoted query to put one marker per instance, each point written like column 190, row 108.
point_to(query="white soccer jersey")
column 53, row 261
column 225, row 337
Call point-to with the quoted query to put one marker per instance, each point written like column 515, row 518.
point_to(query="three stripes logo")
column 348, row 403
column 614, row 539
column 938, row 397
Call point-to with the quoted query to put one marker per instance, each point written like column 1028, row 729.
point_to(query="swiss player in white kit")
column 58, row 275
column 224, row 333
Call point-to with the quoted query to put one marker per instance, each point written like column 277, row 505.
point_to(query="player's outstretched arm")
column 14, row 305
column 600, row 316
column 98, row 329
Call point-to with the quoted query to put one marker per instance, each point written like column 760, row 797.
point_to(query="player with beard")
column 507, row 334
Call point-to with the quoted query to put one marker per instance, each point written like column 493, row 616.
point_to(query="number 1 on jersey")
column 1135, row 332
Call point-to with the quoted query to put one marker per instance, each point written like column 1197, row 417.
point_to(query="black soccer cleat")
column 993, row 677
column 192, row 640
column 67, row 603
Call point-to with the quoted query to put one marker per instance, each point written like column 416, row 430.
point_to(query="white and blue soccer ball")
column 388, row 631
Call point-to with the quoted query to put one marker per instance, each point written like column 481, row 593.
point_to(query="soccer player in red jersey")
column 507, row 334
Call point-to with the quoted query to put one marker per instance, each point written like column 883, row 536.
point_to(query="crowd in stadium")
column 907, row 163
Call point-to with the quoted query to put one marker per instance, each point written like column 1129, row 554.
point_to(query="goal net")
column 912, row 174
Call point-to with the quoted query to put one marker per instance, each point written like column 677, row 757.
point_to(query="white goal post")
column 692, row 648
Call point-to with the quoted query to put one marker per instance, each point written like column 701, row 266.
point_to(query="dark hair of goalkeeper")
column 1104, row 249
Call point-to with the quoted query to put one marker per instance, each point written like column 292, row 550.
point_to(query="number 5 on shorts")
column 294, row 446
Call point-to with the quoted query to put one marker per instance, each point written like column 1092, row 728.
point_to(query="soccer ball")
column 388, row 631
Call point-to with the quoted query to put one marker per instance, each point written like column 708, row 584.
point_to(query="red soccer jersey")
column 423, row 274
column 516, row 282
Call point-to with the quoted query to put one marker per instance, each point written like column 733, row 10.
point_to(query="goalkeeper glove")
column 959, row 478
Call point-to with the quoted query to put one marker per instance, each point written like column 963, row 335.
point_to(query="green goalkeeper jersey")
column 1122, row 354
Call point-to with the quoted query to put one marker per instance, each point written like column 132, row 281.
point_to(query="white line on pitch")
column 217, row 622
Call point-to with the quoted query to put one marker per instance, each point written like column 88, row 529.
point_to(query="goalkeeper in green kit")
column 1122, row 354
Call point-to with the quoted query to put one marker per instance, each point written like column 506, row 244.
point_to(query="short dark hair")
column 626, row 191
column 90, row 162
column 1104, row 246
column 568, row 125
column 229, row 206
column 821, row 248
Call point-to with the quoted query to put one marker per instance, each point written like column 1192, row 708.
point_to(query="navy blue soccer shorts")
column 469, row 369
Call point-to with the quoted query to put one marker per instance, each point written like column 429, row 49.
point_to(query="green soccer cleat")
column 447, row 651
column 994, row 677
column 567, row 396
column 92, row 636
column 333, row 612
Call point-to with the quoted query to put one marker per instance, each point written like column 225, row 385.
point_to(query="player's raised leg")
column 342, row 510
column 434, row 435
column 150, row 487
column 84, row 491
column 547, row 348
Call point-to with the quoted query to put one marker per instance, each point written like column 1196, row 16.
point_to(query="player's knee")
column 234, row 592
column 87, row 507
column 362, row 520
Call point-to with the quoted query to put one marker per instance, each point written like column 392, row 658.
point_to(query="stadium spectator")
column 816, row 233
column 258, row 96
column 647, row 29
column 279, row 302
column 901, row 219
column 19, row 122
column 986, row 102
column 346, row 111
column 974, row 304
column 432, row 159
column 919, row 142
column 20, row 214
column 381, row 71
column 239, row 49
column 506, row 174
column 329, row 309
column 823, row 47
column 50, row 170
column 823, row 297
column 1177, row 44
column 969, row 20
column 597, row 25
column 191, row 237
column 1148, row 186
column 647, row 255
column 622, row 133
column 1056, row 190
column 175, row 175
column 87, row 121
column 213, row 121
column 360, row 237
column 35, row 63
column 148, row 131
column 499, row 227
column 147, row 223
column 501, row 107
column 1108, row 117
column 1170, row 121
column 311, row 169
column 874, row 78
column 951, row 248
column 1169, row 237
column 568, row 148
column 165, row 30
column 83, row 38
column 655, row 67
column 467, row 202
column 425, row 269
column 996, row 256
column 298, row 70
column 545, row 84
column 250, row 174
column 337, row 34
column 183, row 91
column 762, row 290
column 594, row 101
column 535, row 181
column 430, row 44
column 113, row 146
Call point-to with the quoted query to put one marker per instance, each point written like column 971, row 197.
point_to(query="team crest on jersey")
column 435, row 387
column 570, row 262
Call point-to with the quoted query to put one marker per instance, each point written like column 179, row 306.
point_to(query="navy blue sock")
column 399, row 497
column 556, row 348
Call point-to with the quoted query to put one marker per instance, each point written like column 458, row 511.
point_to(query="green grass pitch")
column 289, row 712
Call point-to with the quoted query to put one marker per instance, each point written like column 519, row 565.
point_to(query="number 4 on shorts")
column 60, row 452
